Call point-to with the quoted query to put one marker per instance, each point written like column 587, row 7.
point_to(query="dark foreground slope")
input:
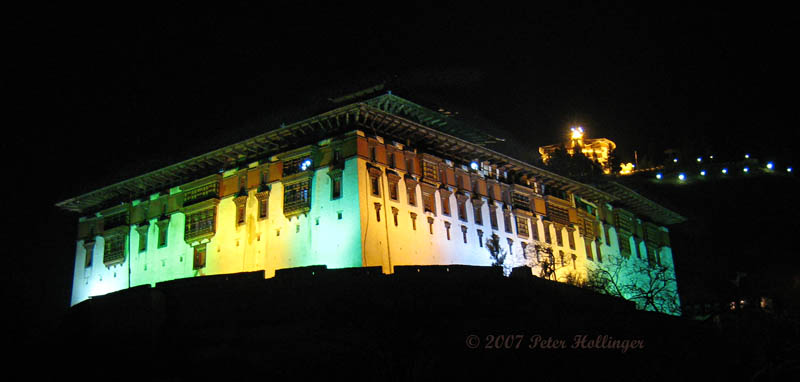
column 420, row 323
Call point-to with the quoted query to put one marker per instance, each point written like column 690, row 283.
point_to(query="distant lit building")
column 382, row 182
column 597, row 149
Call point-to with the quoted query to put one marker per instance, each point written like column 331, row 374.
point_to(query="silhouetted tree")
column 497, row 253
column 540, row 257
column 650, row 285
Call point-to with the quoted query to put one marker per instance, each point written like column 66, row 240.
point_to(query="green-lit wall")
column 319, row 236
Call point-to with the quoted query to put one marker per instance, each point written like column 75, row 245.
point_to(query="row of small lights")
column 682, row 176
column 700, row 159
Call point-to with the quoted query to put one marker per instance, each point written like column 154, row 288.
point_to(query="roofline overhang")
column 362, row 115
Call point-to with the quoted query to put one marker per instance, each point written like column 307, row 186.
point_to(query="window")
column 378, row 211
column 88, row 246
column 428, row 202
column 394, row 212
column 115, row 221
column 535, row 229
column 557, row 214
column 447, row 228
column 561, row 256
column 240, row 213
column 480, row 238
column 336, row 187
column 296, row 165
column 411, row 188
column 376, row 191
column 476, row 211
column 507, row 221
column 607, row 229
column 445, row 196
column 493, row 215
column 199, row 257
column 521, row 201
column 599, row 253
column 142, row 229
column 372, row 155
column 547, row 236
column 559, row 237
column 430, row 224
column 464, row 232
column 263, row 205
column 393, row 191
column 163, row 226
column 462, row 206
column 589, row 250
column 201, row 193
column 392, row 163
column 241, row 206
column 522, row 226
column 624, row 244
column 413, row 221
column 114, row 251
column 430, row 171
column 199, row 224
column 571, row 237
column 296, row 198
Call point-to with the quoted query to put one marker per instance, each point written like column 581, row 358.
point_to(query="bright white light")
column 675, row 160
column 474, row 165
column 746, row 156
column 703, row 172
column 724, row 170
column 682, row 176
column 770, row 165
column 658, row 176
column 746, row 169
column 712, row 157
column 577, row 132
column 304, row 165
column 699, row 159
column 789, row 169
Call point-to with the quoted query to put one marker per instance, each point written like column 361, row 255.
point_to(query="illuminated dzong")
column 382, row 182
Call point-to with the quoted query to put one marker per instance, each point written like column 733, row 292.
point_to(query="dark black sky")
column 104, row 92
column 131, row 88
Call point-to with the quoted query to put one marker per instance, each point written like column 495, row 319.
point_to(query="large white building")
column 382, row 182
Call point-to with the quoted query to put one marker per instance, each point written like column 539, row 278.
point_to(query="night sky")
column 101, row 93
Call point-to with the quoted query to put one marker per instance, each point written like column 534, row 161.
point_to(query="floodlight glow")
column 789, row 169
column 304, row 165
column 699, row 159
column 746, row 156
column 682, row 176
column 474, row 165
column 712, row 157
column 724, row 170
column 577, row 132
column 770, row 165
column 703, row 173
column 658, row 176
column 675, row 160
column 745, row 169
